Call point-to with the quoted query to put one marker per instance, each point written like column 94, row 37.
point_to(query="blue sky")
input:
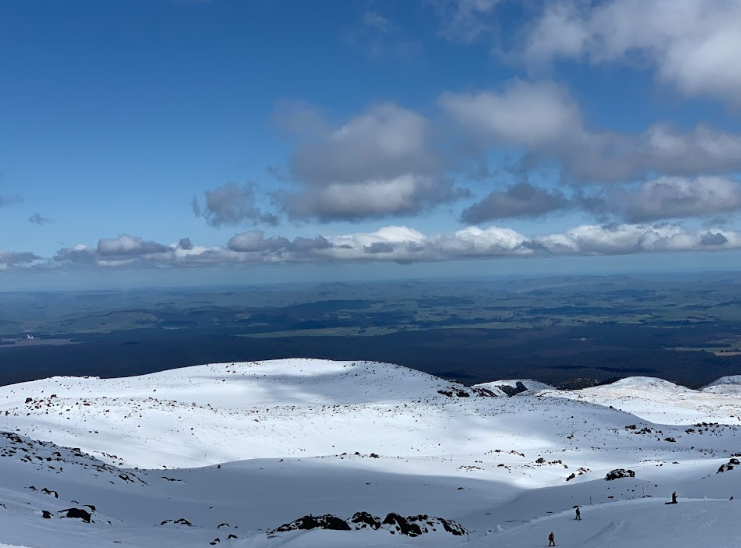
column 217, row 141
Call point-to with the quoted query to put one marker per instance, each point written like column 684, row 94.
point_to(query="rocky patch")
column 411, row 526
column 518, row 388
column 730, row 465
column 49, row 456
column 181, row 521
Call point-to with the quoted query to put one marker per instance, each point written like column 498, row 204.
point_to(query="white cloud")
column 544, row 120
column 406, row 194
column 127, row 246
column 383, row 163
column 693, row 44
column 384, row 142
column 677, row 197
column 522, row 115
column 400, row 244
column 17, row 259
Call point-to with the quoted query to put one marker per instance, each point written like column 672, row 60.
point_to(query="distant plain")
column 568, row 331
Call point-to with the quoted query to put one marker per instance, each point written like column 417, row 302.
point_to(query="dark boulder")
column 78, row 513
column 620, row 473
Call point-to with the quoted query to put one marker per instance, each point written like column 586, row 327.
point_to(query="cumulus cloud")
column 127, row 246
column 520, row 200
column 382, row 143
column 403, row 195
column 543, row 119
column 232, row 205
column 255, row 241
column 20, row 259
column 676, row 197
column 383, row 163
column 693, row 44
column 124, row 250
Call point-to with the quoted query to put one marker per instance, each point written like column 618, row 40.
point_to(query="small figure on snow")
column 674, row 498
column 551, row 540
column 578, row 513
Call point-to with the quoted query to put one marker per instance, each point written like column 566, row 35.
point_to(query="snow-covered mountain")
column 185, row 457
column 664, row 402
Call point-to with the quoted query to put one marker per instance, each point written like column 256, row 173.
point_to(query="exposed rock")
column 364, row 519
column 181, row 521
column 730, row 465
column 518, row 388
column 78, row 513
column 411, row 526
column 452, row 527
column 620, row 473
column 306, row 523
column 402, row 525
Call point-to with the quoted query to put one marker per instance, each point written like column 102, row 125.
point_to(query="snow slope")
column 257, row 445
column 663, row 402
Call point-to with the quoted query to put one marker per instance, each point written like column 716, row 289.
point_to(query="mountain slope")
column 257, row 445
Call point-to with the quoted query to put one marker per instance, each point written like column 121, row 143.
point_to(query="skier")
column 551, row 540
column 674, row 497
column 578, row 513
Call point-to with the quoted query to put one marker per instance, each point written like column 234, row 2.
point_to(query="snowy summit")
column 316, row 453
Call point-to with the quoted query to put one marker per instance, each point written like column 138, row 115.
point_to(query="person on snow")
column 578, row 513
column 674, row 497
column 551, row 540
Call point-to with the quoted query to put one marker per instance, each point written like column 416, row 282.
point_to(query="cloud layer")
column 398, row 244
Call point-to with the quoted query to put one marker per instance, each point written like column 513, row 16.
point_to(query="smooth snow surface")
column 663, row 402
column 250, row 446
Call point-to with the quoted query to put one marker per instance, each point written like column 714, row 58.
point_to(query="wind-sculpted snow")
column 226, row 452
